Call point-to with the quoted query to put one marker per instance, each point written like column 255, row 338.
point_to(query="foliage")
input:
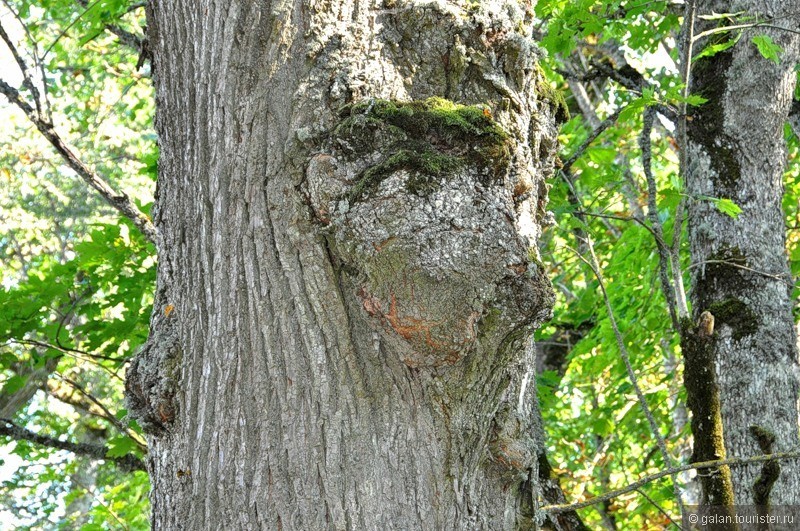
column 76, row 291
column 76, row 281
column 599, row 439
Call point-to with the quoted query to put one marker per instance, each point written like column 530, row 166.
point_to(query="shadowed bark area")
column 741, row 281
column 347, row 277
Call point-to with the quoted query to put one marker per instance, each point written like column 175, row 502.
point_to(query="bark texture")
column 742, row 355
column 346, row 286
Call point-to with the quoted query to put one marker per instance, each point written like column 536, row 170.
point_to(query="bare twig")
column 69, row 27
column 658, row 508
column 38, row 63
column 782, row 278
column 724, row 29
column 86, row 356
column 687, row 42
column 128, row 463
column 110, row 417
column 652, row 214
column 119, row 201
column 675, row 260
column 635, row 219
column 73, row 353
column 99, row 500
column 605, row 124
column 739, row 461
column 27, row 80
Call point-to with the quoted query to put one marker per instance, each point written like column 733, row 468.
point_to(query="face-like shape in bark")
column 426, row 218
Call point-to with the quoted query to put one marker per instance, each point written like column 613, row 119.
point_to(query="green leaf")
column 726, row 206
column 695, row 99
column 14, row 384
column 767, row 47
column 714, row 49
column 121, row 446
column 603, row 426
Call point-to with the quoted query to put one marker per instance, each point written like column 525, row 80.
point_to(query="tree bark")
column 742, row 358
column 347, row 275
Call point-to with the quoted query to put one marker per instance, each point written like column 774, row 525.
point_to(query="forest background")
column 77, row 278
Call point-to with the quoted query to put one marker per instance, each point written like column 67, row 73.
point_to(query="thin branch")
column 69, row 27
column 73, row 353
column 69, row 313
column 781, row 278
column 34, row 49
column 659, row 508
column 617, row 217
column 99, row 499
column 687, row 42
column 134, row 7
column 675, row 259
column 736, row 461
column 67, row 395
column 652, row 213
column 127, row 463
column 626, row 75
column 110, row 417
column 605, row 124
column 34, row 377
column 724, row 29
column 125, row 37
column 38, row 63
column 64, row 350
column 623, row 350
column 27, row 81
column 119, row 201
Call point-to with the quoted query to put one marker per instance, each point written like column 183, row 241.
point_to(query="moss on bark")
column 769, row 470
column 553, row 96
column 702, row 397
column 431, row 138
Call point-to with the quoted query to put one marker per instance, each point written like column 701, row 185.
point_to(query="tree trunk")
column 345, row 295
column 742, row 360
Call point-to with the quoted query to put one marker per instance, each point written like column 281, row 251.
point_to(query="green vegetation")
column 77, row 280
column 598, row 439
column 431, row 139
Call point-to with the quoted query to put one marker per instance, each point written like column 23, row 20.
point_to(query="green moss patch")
column 430, row 138
column 770, row 471
column 702, row 397
column 554, row 97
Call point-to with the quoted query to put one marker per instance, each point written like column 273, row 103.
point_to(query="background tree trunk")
column 748, row 363
column 345, row 296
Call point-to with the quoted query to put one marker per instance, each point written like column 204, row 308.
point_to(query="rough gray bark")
column 345, row 293
column 749, row 359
